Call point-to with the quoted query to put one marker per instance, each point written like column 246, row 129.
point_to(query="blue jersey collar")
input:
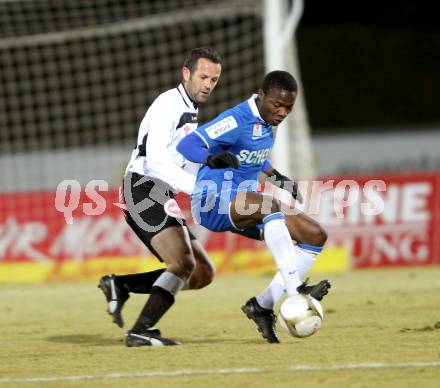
column 253, row 106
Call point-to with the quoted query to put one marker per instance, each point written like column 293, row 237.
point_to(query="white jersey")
column 171, row 117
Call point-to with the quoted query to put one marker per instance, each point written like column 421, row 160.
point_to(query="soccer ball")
column 301, row 315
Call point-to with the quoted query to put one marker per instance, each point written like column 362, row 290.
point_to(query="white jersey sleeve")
column 160, row 158
column 169, row 118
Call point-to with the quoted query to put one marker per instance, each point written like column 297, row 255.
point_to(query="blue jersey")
column 241, row 131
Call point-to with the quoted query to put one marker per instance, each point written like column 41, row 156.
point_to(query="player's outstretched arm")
column 283, row 182
column 193, row 148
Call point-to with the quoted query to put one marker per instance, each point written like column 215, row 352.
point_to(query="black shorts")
column 149, row 207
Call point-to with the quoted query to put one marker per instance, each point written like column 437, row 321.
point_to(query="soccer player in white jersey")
column 155, row 172
column 234, row 148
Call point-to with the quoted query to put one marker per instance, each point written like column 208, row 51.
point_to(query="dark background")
column 374, row 63
column 364, row 65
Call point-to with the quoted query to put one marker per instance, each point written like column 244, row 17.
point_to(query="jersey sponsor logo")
column 186, row 129
column 257, row 131
column 187, row 118
column 172, row 209
column 254, row 157
column 221, row 127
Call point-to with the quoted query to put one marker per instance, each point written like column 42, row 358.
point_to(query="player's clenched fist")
column 222, row 160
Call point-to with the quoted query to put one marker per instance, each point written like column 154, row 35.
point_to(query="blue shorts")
column 213, row 212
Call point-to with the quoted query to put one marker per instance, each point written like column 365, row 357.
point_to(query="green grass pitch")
column 381, row 329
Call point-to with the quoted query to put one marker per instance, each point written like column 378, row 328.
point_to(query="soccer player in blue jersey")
column 233, row 149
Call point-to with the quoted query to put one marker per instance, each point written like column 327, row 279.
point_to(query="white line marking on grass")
column 234, row 371
column 374, row 365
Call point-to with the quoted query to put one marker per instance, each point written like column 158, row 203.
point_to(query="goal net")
column 76, row 79
column 78, row 76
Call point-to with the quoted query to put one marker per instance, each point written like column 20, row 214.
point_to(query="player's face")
column 201, row 82
column 275, row 105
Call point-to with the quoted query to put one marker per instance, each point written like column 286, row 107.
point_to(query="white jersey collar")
column 186, row 98
column 253, row 106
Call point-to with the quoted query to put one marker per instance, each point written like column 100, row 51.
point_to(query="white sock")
column 273, row 293
column 279, row 242
column 275, row 290
column 306, row 256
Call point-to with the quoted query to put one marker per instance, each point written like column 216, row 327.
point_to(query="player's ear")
column 260, row 94
column 186, row 74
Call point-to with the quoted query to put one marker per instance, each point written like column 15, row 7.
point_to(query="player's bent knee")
column 202, row 276
column 320, row 237
column 316, row 236
column 275, row 206
column 205, row 270
column 183, row 266
column 208, row 276
column 188, row 265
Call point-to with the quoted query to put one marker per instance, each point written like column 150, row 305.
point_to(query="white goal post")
column 292, row 153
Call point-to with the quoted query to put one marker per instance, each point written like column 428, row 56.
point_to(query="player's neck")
column 195, row 103
column 257, row 104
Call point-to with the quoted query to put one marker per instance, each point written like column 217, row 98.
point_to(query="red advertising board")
column 32, row 229
column 406, row 230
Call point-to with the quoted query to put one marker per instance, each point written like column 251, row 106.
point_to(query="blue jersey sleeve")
column 193, row 148
column 266, row 165
column 222, row 131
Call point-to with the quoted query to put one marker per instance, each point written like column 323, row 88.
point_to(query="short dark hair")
column 279, row 79
column 201, row 52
